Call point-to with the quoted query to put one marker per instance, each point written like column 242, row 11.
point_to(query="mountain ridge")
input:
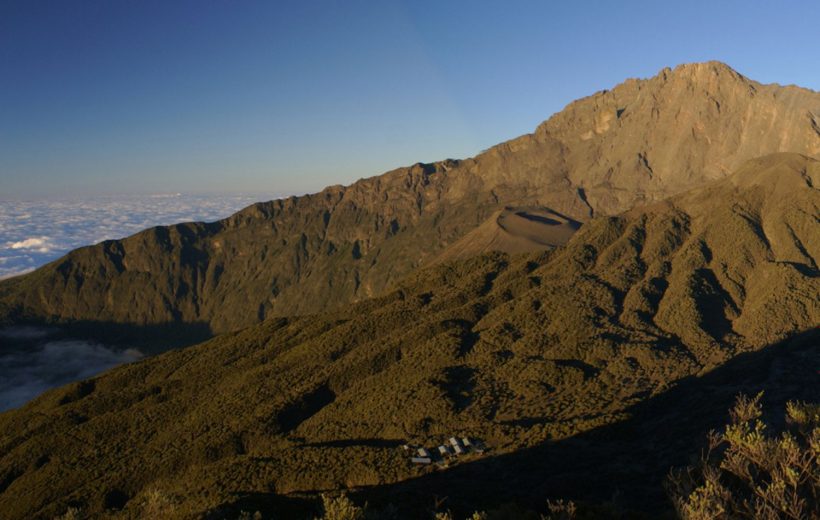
column 642, row 141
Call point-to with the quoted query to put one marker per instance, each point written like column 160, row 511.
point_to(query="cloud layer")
column 31, row 363
column 37, row 244
column 33, row 233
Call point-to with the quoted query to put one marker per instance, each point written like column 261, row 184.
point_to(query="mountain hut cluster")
column 452, row 449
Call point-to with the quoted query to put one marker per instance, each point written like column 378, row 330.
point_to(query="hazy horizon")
column 113, row 97
column 35, row 231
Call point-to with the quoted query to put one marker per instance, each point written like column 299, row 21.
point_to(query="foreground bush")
column 342, row 508
column 748, row 472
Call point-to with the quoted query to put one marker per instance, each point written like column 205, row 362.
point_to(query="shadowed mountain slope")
column 640, row 142
column 525, row 352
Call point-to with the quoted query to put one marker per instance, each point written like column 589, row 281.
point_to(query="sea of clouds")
column 32, row 360
column 35, row 232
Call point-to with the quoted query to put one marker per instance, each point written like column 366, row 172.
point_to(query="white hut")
column 457, row 449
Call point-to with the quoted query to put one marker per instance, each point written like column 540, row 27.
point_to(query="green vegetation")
column 72, row 513
column 342, row 508
column 571, row 365
column 751, row 473
column 746, row 472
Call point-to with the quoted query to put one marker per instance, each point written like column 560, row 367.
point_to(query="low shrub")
column 747, row 472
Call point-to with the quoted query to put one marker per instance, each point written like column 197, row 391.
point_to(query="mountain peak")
column 705, row 67
column 710, row 74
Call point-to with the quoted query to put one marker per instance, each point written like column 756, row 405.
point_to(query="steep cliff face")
column 646, row 140
column 627, row 332
column 640, row 142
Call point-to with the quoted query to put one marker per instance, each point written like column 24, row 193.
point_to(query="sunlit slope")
column 640, row 142
column 514, row 231
column 521, row 351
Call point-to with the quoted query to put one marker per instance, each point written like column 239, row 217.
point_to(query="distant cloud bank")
column 35, row 232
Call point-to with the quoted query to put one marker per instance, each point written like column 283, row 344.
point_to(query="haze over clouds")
column 31, row 363
column 35, row 232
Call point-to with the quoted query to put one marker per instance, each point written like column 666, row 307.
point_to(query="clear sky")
column 277, row 96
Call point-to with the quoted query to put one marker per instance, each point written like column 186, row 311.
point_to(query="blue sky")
column 287, row 97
